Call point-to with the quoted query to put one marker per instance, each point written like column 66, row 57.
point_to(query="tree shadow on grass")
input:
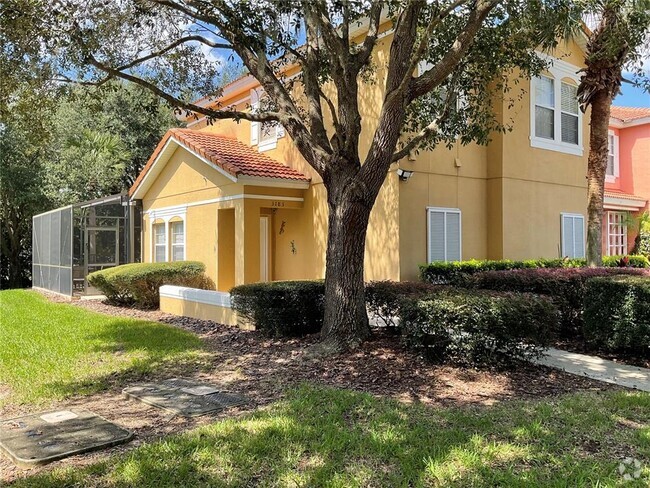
column 125, row 351
column 329, row 437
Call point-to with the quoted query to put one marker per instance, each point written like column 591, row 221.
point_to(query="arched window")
column 159, row 237
column 556, row 120
column 177, row 229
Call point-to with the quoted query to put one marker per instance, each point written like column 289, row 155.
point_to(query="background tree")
column 469, row 48
column 24, row 135
column 618, row 41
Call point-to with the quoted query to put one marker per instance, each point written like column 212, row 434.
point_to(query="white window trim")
column 446, row 210
column 559, row 69
column 166, row 214
column 612, row 178
column 584, row 232
column 256, row 128
column 610, row 235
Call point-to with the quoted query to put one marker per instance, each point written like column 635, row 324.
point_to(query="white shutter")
column 573, row 236
column 255, row 126
column 436, row 236
column 279, row 131
column 567, row 236
column 444, row 234
column 616, row 160
column 579, row 236
column 452, row 229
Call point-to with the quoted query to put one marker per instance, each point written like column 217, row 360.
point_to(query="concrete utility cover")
column 183, row 396
column 46, row 437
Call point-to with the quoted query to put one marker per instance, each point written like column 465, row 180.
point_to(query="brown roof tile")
column 231, row 155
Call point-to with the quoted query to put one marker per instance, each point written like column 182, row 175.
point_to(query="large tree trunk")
column 596, row 168
column 346, row 319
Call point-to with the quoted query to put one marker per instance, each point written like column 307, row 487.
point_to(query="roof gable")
column 232, row 158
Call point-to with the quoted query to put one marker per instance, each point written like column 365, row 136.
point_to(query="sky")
column 632, row 96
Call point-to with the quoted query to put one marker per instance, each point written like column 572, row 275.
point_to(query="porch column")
column 247, row 242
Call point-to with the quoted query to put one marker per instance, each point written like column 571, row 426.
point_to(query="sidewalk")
column 597, row 368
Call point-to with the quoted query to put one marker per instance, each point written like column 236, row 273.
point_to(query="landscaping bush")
column 138, row 283
column 472, row 327
column 384, row 299
column 457, row 272
column 617, row 314
column 566, row 287
column 282, row 308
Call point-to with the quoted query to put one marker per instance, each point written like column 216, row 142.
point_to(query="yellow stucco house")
column 240, row 198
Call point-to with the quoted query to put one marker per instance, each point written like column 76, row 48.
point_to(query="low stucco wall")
column 200, row 304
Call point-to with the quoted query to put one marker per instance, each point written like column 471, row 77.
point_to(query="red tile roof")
column 622, row 194
column 234, row 157
column 629, row 113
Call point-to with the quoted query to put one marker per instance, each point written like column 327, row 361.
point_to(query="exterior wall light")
column 404, row 174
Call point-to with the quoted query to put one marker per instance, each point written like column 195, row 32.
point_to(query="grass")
column 338, row 438
column 51, row 351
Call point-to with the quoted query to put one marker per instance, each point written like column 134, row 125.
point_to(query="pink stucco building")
column 627, row 185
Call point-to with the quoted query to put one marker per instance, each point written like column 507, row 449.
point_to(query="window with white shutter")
column 444, row 242
column 255, row 126
column 573, row 235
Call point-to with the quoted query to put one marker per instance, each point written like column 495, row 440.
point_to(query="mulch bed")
column 262, row 369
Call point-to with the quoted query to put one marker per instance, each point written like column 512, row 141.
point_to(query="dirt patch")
column 262, row 369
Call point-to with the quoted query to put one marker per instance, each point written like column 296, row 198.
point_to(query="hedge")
column 456, row 272
column 566, row 287
column 385, row 298
column 617, row 314
column 138, row 283
column 473, row 327
column 282, row 308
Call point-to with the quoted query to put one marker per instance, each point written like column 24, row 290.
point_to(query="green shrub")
column 385, row 298
column 566, row 287
column 282, row 308
column 457, row 272
column 617, row 314
column 138, row 283
column 478, row 327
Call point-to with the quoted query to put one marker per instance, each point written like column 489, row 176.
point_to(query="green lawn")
column 50, row 351
column 328, row 437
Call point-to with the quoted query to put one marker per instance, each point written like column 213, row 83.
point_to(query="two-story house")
column 627, row 183
column 241, row 199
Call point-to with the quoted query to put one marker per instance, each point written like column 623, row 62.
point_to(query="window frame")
column 156, row 245
column 172, row 244
column 558, row 71
column 445, row 211
column 573, row 216
column 622, row 234
column 612, row 137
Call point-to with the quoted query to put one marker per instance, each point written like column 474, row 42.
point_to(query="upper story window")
column 263, row 135
column 556, row 120
column 612, row 170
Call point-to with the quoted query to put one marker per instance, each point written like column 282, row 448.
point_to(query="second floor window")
column 555, row 118
column 612, row 157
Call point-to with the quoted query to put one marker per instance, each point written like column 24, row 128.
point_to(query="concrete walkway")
column 597, row 368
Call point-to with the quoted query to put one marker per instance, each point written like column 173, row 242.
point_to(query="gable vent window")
column 573, row 235
column 443, row 234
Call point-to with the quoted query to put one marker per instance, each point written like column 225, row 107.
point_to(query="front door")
column 264, row 248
